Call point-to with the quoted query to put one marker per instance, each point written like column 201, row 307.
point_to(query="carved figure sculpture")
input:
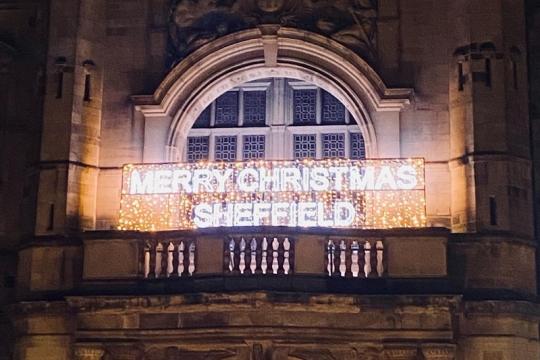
column 194, row 23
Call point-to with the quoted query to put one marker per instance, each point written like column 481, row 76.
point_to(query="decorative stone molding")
column 439, row 351
column 88, row 352
column 126, row 352
column 245, row 56
column 400, row 352
column 522, row 308
column 172, row 352
column 312, row 354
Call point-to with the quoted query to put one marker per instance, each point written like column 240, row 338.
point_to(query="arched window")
column 275, row 119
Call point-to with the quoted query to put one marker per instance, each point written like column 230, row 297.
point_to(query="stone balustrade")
column 355, row 258
column 169, row 258
column 244, row 252
column 259, row 255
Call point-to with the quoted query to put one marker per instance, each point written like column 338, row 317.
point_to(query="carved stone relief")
column 194, row 23
column 174, row 353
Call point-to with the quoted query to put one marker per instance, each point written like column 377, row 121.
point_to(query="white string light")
column 305, row 193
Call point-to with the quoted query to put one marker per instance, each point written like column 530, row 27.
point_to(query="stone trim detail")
column 439, row 351
column 84, row 352
column 126, row 352
column 400, row 352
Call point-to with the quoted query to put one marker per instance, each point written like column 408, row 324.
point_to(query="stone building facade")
column 92, row 85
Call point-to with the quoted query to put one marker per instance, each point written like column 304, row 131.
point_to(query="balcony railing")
column 266, row 252
column 259, row 255
column 169, row 258
column 355, row 258
column 272, row 255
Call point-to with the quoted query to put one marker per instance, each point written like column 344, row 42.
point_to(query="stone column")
column 439, row 351
column 400, row 352
column 83, row 352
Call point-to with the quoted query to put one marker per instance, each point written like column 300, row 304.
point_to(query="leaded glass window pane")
column 333, row 145
column 197, row 148
column 254, row 108
column 358, row 146
column 203, row 121
column 305, row 146
column 253, row 147
column 333, row 111
column 227, row 109
column 305, row 106
column 225, row 148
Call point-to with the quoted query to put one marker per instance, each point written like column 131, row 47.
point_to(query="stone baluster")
column 181, row 267
column 367, row 258
column 330, row 249
column 159, row 255
column 170, row 257
column 286, row 253
column 87, row 352
column 253, row 259
column 147, row 254
column 232, row 246
column 264, row 264
column 434, row 351
column 275, row 263
column 342, row 258
column 355, row 266
column 191, row 266
column 242, row 263
column 380, row 251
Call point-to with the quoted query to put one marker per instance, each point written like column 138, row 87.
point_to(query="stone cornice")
column 526, row 309
column 263, row 300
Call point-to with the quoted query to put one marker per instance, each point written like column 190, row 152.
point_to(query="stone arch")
column 270, row 51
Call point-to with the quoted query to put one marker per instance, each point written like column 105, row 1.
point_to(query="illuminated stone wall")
column 445, row 81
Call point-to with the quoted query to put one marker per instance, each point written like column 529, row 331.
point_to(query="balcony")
column 258, row 255
column 278, row 258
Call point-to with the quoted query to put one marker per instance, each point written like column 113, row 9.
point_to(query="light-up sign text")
column 325, row 193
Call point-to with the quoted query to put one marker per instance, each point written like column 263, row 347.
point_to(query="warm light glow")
column 369, row 194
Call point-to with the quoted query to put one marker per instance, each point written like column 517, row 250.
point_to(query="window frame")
column 279, row 129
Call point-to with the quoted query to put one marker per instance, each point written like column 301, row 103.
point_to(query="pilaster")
column 490, row 164
column 72, row 118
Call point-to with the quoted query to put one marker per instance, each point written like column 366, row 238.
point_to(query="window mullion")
column 318, row 146
column 347, row 149
column 240, row 107
column 213, row 114
column 211, row 147
column 240, row 147
column 318, row 107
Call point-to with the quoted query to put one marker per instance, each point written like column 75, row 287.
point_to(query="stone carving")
column 368, row 353
column 194, row 23
column 82, row 352
column 400, row 352
column 174, row 353
column 258, row 352
column 312, row 354
column 125, row 352
column 439, row 351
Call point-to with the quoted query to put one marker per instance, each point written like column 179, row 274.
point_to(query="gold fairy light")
column 380, row 194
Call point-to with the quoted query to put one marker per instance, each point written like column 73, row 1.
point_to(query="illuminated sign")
column 368, row 194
